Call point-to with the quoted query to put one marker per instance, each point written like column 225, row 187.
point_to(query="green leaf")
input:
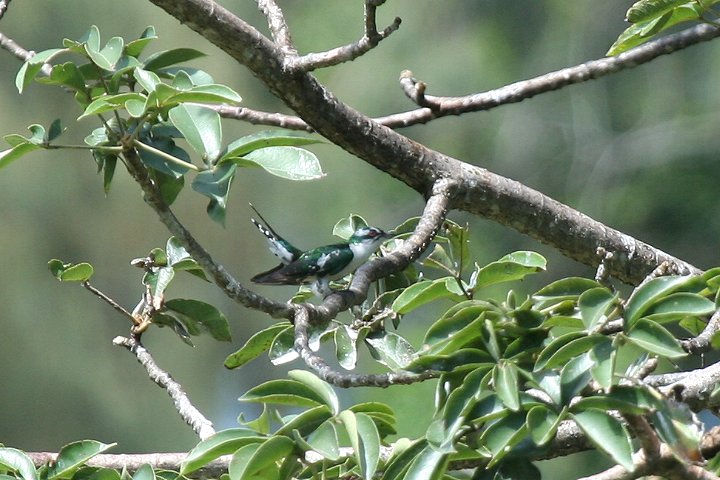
column 135, row 47
column 259, row 343
column 284, row 392
column 542, row 424
column 648, row 9
column 305, row 422
column 364, row 439
column 500, row 437
column 603, row 357
column 215, row 184
column 147, row 80
column 345, row 347
column 574, row 377
column 145, row 472
column 282, row 349
column 646, row 295
column 324, row 440
column 594, row 305
column 514, row 266
column 212, row 93
column 574, row 347
column 635, row 400
column 65, row 74
column 679, row 305
column 70, row 272
column 201, row 314
column 33, row 66
column 18, row 462
column 110, row 102
column 399, row 465
column 73, row 456
column 554, row 346
column 456, row 319
column 268, row 138
column 505, row 380
column 345, row 227
column 10, row 155
column 654, row 338
column 250, row 461
column 391, row 349
column 323, row 389
column 424, row 292
column 291, row 163
column 222, row 443
column 165, row 58
column 567, row 287
column 201, row 128
column 643, row 31
column 608, row 435
column 449, row 362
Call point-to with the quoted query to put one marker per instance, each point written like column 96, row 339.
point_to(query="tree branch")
column 347, row 53
column 478, row 190
column 192, row 416
column 278, row 26
column 4, row 4
column 434, row 106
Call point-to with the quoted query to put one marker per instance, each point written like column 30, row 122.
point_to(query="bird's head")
column 369, row 236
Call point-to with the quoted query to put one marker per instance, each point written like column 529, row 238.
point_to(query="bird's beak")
column 391, row 233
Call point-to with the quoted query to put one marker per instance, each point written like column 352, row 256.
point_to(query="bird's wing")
column 280, row 247
column 311, row 264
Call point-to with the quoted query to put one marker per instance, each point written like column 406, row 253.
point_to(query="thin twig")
column 701, row 343
column 116, row 306
column 278, row 26
column 192, row 416
column 519, row 91
column 346, row 53
column 3, row 7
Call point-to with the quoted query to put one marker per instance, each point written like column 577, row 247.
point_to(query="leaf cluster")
column 144, row 105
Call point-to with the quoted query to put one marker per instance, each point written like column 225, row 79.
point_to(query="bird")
column 320, row 265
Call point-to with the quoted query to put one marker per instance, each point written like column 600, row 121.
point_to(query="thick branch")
column 192, row 416
column 479, row 191
column 159, row 461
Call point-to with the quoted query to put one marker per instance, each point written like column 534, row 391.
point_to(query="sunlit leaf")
column 250, row 461
column 391, row 349
column 291, row 163
column 166, row 58
column 74, row 455
column 201, row 128
column 284, row 392
column 18, row 461
column 222, row 443
column 322, row 388
column 654, row 338
column 256, row 345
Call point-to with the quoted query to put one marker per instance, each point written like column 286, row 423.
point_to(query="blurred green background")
column 636, row 150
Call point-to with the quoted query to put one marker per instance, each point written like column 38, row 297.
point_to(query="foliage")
column 650, row 17
column 146, row 105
